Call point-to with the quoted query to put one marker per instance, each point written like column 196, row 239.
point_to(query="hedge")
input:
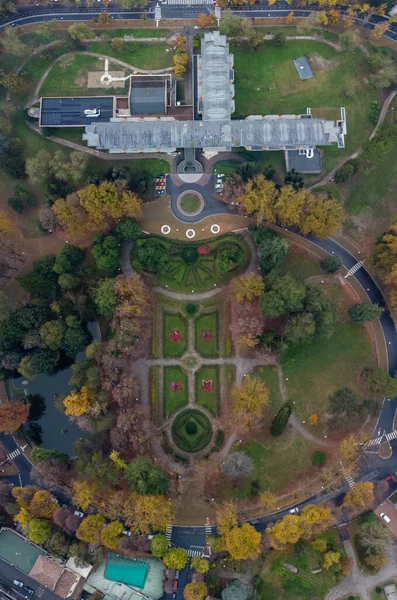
column 280, row 421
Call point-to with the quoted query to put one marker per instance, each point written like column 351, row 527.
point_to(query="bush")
column 378, row 589
column 189, row 255
column 220, row 436
column 128, row 229
column 319, row 458
column 21, row 199
column 280, row 421
column 191, row 309
column 191, row 428
column 255, row 488
column 331, row 264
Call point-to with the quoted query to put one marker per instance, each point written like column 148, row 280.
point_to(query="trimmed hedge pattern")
column 191, row 443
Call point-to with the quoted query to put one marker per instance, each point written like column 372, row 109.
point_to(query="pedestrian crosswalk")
column 378, row 440
column 39, row 592
column 208, row 531
column 189, row 2
column 348, row 477
column 13, row 454
column 168, row 534
column 195, row 551
column 355, row 268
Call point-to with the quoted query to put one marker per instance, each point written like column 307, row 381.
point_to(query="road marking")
column 14, row 454
column 168, row 534
column 354, row 269
column 378, row 440
column 195, row 551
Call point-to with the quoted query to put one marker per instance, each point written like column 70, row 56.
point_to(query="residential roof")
column 66, row 583
column 56, row 112
column 165, row 134
column 83, row 571
column 147, row 96
column 302, row 164
column 54, row 577
column 303, row 67
column 16, row 549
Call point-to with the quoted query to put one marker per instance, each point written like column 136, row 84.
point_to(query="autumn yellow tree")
column 313, row 419
column 24, row 495
column 226, row 517
column 5, row 223
column 247, row 342
column 249, row 399
column 247, row 287
column 195, row 591
column 331, row 558
column 111, row 535
column 201, row 565
column 290, row 18
column 13, row 415
column 259, row 198
column 320, row 545
column 351, row 447
column 323, row 216
column 84, row 493
column 268, row 500
column 286, row 531
column 117, row 460
column 243, row 542
column 315, row 519
column 289, row 205
column 360, row 496
column 148, row 513
column 380, row 29
column 90, row 529
column 132, row 294
column 43, row 505
column 78, row 402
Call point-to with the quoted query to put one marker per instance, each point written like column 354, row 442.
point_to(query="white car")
column 385, row 517
column 78, row 513
column 293, row 511
column 127, row 533
column 18, row 583
column 92, row 112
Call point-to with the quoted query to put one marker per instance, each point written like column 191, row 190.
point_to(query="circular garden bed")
column 190, row 203
column 191, row 430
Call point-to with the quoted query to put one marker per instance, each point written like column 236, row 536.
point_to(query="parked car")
column 78, row 513
column 150, row 536
column 127, row 533
column 389, row 477
column 177, row 573
column 294, row 510
column 175, row 585
column 28, row 590
column 174, row 596
column 385, row 517
column 18, row 583
column 254, row 522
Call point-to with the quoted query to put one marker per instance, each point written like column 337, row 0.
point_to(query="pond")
column 53, row 426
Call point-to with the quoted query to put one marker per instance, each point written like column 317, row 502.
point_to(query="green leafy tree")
column 331, row 264
column 280, row 39
column 51, row 334
column 21, row 199
column 294, row 179
column 42, row 361
column 300, row 328
column 12, row 43
column 107, row 252
column 144, row 478
column 67, row 281
column 175, row 558
column 58, row 544
column 105, row 297
column 379, row 382
column 286, row 295
column 35, row 284
column 68, row 259
column 319, row 457
column 150, row 255
column 159, row 545
column 80, row 31
column 76, row 339
column 281, row 419
column 128, row 229
column 40, row 454
column 39, row 530
column 44, row 31
column 272, row 248
column 365, row 311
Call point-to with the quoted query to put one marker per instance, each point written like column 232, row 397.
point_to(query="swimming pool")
column 126, row 570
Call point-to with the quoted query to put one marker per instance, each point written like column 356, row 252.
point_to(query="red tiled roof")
column 53, row 576
column 65, row 583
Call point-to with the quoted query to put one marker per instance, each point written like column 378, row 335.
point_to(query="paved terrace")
column 272, row 132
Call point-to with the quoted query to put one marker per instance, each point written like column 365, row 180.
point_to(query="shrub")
column 319, row 458
column 255, row 488
column 280, row 421
column 220, row 436
column 378, row 589
column 191, row 309
column 191, row 428
column 189, row 255
column 331, row 264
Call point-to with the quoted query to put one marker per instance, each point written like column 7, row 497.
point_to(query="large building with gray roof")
column 213, row 129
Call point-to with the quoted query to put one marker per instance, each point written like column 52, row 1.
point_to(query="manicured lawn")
column 301, row 264
column 172, row 325
column 69, row 77
column 278, row 463
column 279, row 583
column 206, row 327
column 174, row 399
column 191, row 430
column 266, row 79
column 190, row 203
column 208, row 399
column 259, row 159
column 316, row 370
column 199, row 273
column 269, row 376
column 157, row 55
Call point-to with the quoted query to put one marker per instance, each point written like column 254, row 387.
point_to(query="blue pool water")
column 131, row 572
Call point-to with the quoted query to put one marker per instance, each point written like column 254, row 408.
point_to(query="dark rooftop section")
column 303, row 67
column 147, row 96
column 66, row 112
column 301, row 163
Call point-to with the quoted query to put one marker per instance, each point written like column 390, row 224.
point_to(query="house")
column 62, row 581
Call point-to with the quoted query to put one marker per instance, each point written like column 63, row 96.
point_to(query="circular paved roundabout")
column 190, row 203
column 191, row 430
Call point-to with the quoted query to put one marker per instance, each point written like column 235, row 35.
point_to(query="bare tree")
column 5, row 494
column 238, row 464
column 374, row 537
column 11, row 258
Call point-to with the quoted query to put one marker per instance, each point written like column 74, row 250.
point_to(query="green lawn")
column 316, row 370
column 190, row 203
column 209, row 400
column 266, row 84
column 69, row 77
column 300, row 264
column 157, row 55
column 278, row 583
column 259, row 159
column 199, row 273
column 269, row 376
column 175, row 323
column 206, row 328
column 174, row 400
column 191, row 430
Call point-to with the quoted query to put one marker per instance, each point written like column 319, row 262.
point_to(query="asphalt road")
column 9, row 572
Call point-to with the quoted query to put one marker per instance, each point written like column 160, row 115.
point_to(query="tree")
column 5, row 494
column 58, row 544
column 111, row 535
column 272, row 248
column 44, row 31
column 226, row 517
column 234, row 591
column 42, row 361
column 159, row 545
column 43, row 505
column 238, row 464
column 294, row 179
column 195, row 591
column 286, row 295
column 247, row 287
column 374, row 537
column 319, row 457
column 68, row 259
column 12, row 43
column 365, row 311
column 127, row 228
column 78, row 402
column 80, row 31
column 201, row 565
column 84, row 493
column 281, row 419
column 300, row 328
column 144, row 478
column 21, row 199
column 280, row 39
column 324, row 215
column 51, row 334
column 249, row 400
column 41, row 454
column 380, row 29
column 331, row 264
column 35, row 284
column 90, row 529
column 315, row 519
column 350, row 448
column 150, row 255
column 286, row 531
column 290, row 204
column 175, row 558
column 13, row 415
column 360, row 496
column 105, row 297
column 290, row 18
column 39, row 531
column 67, row 281
column 259, row 198
column 106, row 251
column 345, row 403
column 379, row 382
column 243, row 542
column 268, row 500
column 256, row 39
column 331, row 558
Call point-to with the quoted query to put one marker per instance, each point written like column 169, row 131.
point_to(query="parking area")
column 387, row 513
column 160, row 185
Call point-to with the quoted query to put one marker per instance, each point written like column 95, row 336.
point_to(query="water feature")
column 57, row 431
